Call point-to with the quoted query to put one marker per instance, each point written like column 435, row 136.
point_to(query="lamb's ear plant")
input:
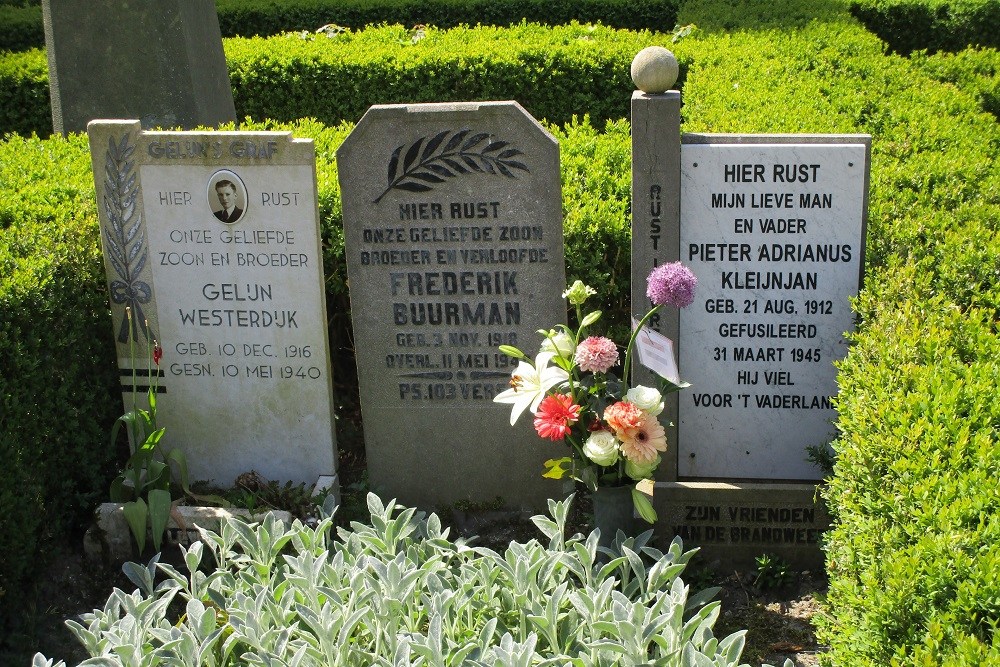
column 397, row 592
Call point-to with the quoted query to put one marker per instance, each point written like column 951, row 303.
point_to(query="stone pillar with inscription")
column 211, row 241
column 656, row 200
column 453, row 235
column 773, row 227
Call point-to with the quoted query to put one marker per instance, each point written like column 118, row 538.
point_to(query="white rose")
column 561, row 344
column 601, row 448
column 646, row 399
column 638, row 471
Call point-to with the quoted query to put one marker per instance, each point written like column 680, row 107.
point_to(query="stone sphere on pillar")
column 654, row 70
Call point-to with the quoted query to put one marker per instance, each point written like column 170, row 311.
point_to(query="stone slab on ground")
column 733, row 523
column 110, row 539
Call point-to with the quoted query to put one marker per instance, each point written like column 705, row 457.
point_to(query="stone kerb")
column 211, row 241
column 453, row 235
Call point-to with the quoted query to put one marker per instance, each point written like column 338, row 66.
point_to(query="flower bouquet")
column 612, row 430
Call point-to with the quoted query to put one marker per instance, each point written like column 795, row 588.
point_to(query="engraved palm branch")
column 427, row 162
column 124, row 236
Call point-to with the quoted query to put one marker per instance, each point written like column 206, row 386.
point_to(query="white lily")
column 529, row 384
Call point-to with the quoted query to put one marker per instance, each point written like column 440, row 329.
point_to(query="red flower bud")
column 157, row 353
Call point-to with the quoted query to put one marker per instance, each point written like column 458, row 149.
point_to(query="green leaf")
column 555, row 469
column 119, row 492
column 589, row 477
column 153, row 439
column 177, row 456
column 159, row 514
column 643, row 506
column 135, row 514
column 157, row 475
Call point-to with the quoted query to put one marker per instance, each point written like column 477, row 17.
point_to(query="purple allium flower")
column 671, row 284
column 596, row 354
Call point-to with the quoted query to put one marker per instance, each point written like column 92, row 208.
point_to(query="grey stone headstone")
column 453, row 234
column 160, row 61
column 656, row 195
column 234, row 296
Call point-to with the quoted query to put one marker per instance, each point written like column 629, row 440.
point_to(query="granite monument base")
column 733, row 522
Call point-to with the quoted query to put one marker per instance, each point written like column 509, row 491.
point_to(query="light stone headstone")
column 773, row 226
column 159, row 61
column 233, row 295
column 773, row 223
column 453, row 234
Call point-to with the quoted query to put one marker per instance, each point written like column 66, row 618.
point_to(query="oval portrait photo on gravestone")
column 227, row 196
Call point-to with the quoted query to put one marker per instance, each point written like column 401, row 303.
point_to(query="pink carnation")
column 623, row 417
column 671, row 284
column 596, row 354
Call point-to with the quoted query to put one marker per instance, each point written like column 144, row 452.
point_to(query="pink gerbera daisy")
column 641, row 444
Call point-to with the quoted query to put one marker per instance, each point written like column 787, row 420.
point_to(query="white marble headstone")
column 211, row 239
column 773, row 229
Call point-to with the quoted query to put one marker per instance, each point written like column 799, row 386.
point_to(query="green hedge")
column 21, row 27
column 975, row 71
column 57, row 374
column 267, row 17
column 914, row 555
column 555, row 73
column 935, row 25
column 24, row 93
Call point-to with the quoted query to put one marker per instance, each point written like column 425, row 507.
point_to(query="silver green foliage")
column 398, row 593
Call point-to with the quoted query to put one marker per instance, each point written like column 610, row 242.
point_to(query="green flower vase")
column 614, row 511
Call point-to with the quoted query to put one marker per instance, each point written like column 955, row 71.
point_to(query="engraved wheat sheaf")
column 125, row 238
column 430, row 161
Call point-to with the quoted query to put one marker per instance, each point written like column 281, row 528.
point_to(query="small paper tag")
column 656, row 352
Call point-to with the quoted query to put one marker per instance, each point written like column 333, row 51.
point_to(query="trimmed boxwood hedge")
column 56, row 383
column 914, row 554
column 975, row 71
column 935, row 25
column 21, row 27
column 555, row 73
column 24, row 93
column 267, row 17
